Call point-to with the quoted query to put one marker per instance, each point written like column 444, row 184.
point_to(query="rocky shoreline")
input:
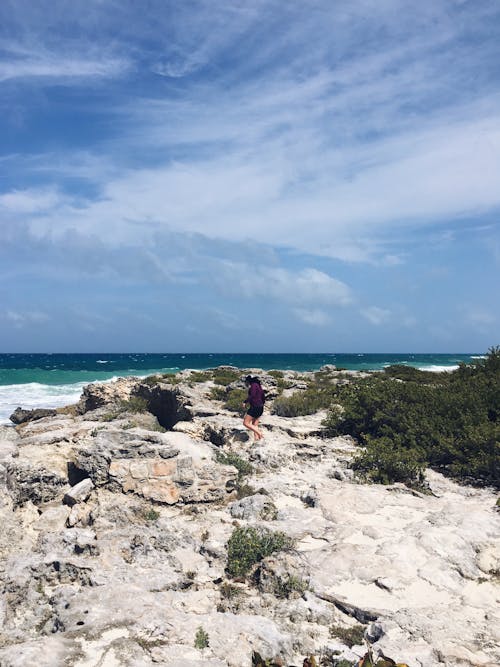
column 117, row 514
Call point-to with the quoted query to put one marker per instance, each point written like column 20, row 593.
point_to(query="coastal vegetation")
column 248, row 546
column 232, row 459
column 407, row 419
column 300, row 403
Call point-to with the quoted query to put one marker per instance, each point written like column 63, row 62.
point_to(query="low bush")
column 284, row 587
column 248, row 546
column 201, row 639
column 232, row 459
column 133, row 404
column 218, row 394
column 234, row 400
column 451, row 423
column 352, row 636
column 300, row 403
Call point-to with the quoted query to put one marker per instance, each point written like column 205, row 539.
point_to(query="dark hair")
column 251, row 379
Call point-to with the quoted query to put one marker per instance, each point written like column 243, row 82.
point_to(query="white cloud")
column 29, row 200
column 21, row 319
column 315, row 317
column 300, row 288
column 317, row 140
column 59, row 67
column 376, row 315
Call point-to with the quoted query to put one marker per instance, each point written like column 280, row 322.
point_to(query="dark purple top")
column 255, row 395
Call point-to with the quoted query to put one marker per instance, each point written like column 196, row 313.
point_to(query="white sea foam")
column 437, row 369
column 36, row 395
column 480, row 356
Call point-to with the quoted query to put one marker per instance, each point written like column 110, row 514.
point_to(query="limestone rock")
column 257, row 507
column 78, row 493
column 20, row 416
column 35, row 484
column 127, row 577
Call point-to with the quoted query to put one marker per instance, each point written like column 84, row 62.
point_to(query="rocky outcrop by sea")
column 116, row 516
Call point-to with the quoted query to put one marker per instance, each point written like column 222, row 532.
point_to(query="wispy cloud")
column 376, row 315
column 57, row 66
column 315, row 317
column 21, row 319
column 241, row 149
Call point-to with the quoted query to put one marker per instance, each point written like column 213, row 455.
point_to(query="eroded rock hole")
column 75, row 474
column 167, row 407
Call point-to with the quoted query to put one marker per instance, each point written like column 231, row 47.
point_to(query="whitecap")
column 479, row 356
column 437, row 369
column 36, row 395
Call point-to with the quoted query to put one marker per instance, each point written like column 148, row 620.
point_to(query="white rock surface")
column 127, row 575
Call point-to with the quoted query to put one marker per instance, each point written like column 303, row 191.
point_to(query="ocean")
column 54, row 380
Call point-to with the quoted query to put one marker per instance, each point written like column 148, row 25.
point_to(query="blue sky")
column 232, row 175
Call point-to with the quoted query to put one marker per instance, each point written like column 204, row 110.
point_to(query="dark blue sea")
column 52, row 380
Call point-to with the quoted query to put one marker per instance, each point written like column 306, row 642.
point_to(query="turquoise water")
column 52, row 380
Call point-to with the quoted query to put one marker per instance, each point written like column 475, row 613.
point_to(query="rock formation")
column 116, row 520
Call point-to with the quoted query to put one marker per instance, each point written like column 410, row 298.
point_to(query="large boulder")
column 20, row 416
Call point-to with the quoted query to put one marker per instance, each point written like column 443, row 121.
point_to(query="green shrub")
column 232, row 459
column 134, row 404
column 411, row 374
column 218, row 393
column 220, row 376
column 225, row 376
column 200, row 376
column 284, row 587
column 383, row 462
column 229, row 591
column 305, row 402
column 151, row 515
column 201, row 639
column 352, row 636
column 151, row 380
column 248, row 546
column 234, row 400
column 451, row 424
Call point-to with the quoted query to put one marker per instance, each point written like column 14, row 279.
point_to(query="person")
column 255, row 400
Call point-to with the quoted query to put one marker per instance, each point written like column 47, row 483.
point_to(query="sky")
column 249, row 175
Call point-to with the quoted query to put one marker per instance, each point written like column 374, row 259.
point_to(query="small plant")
column 201, row 639
column 234, row 400
column 245, row 490
column 151, row 380
column 225, row 376
column 248, row 546
column 368, row 660
column 134, row 404
column 352, row 636
column 229, row 591
column 205, row 535
column 190, row 574
column 305, row 402
column 109, row 416
column 218, row 393
column 283, row 588
column 128, row 426
column 232, row 459
column 152, row 515
column 201, row 376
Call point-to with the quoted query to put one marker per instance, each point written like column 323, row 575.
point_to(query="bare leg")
column 255, row 423
column 247, row 423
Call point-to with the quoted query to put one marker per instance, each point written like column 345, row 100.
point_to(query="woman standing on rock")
column 255, row 400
